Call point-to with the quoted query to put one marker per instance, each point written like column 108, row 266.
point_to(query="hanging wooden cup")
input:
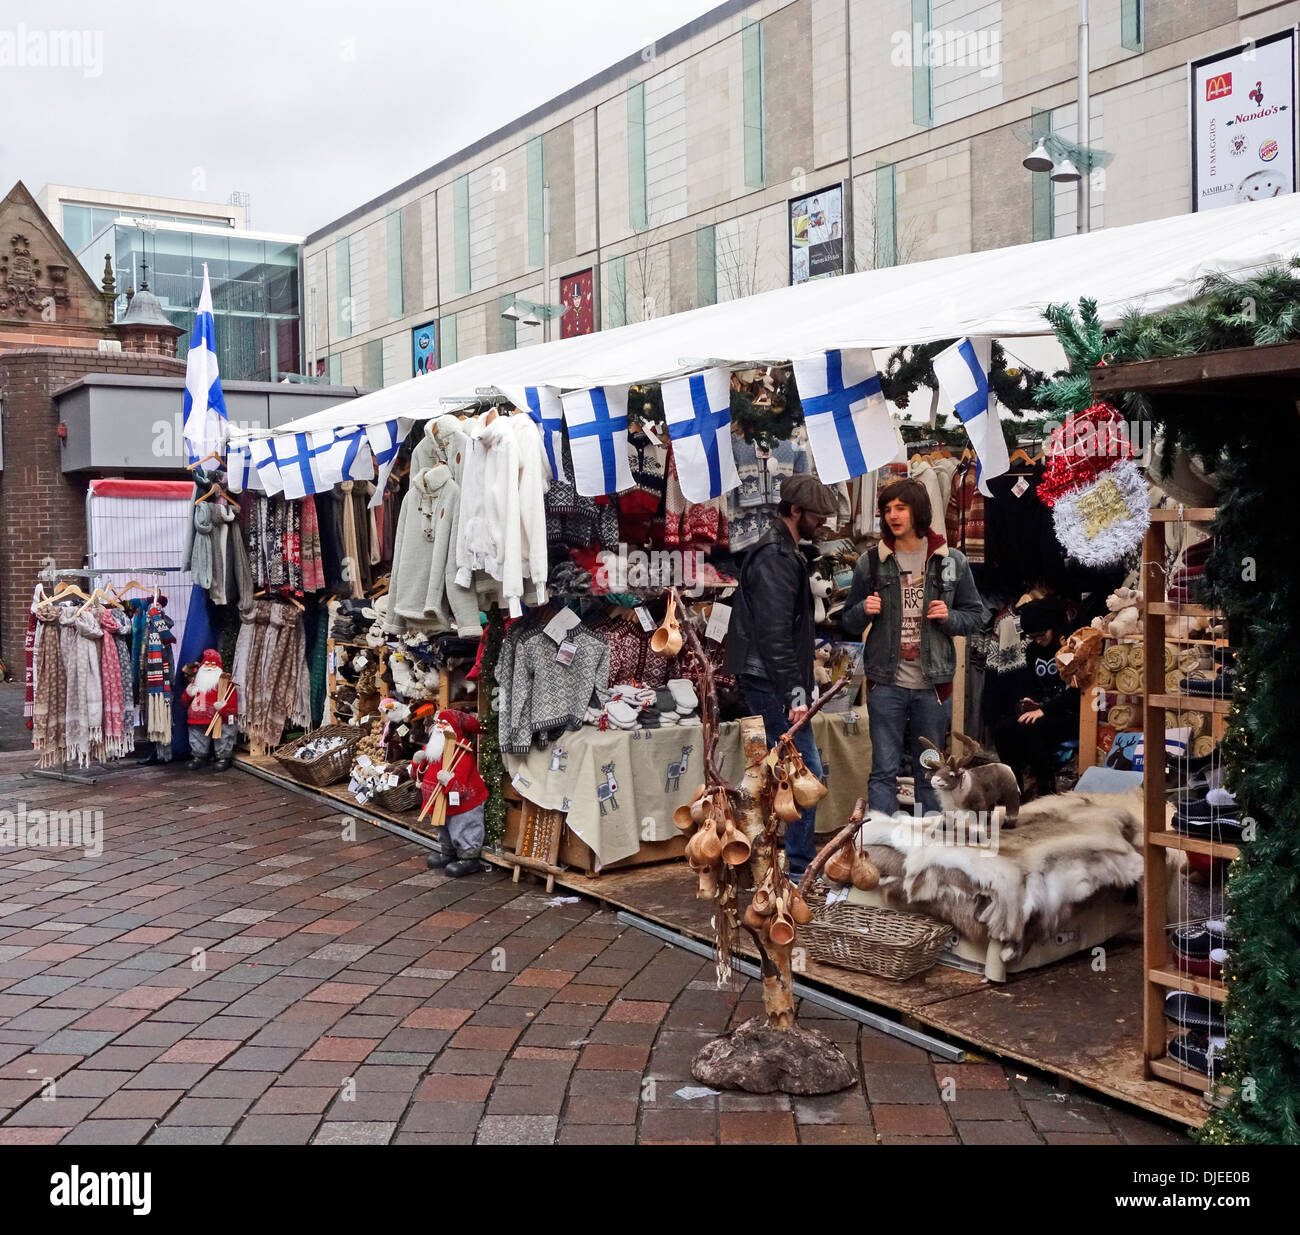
column 783, row 803
column 700, row 807
column 839, row 866
column 764, row 902
column 708, row 886
column 780, row 929
column 667, row 640
column 799, row 910
column 807, row 789
column 735, row 846
column 864, row 874
column 754, row 920
column 710, row 842
column 684, row 815
column 694, row 855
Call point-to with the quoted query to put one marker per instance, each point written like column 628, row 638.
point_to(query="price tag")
column 403, row 730
column 453, row 798
column 560, row 625
column 566, row 652
column 643, row 616
column 1020, row 487
column 719, row 621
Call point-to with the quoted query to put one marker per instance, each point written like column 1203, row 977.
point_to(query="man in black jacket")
column 770, row 642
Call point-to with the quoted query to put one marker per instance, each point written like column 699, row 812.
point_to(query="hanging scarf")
column 29, row 658
column 49, row 707
column 276, row 575
column 201, row 549
column 139, row 636
column 223, row 516
column 241, row 591
column 80, row 637
column 351, row 543
column 115, row 743
column 158, row 676
column 313, row 572
column 122, row 645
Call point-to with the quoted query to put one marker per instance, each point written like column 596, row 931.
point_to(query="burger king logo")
column 1268, row 150
column 1218, row 86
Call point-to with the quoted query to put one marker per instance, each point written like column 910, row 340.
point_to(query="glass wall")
column 255, row 298
column 80, row 223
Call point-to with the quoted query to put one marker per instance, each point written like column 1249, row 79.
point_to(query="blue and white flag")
column 341, row 454
column 385, row 441
column 597, row 421
column 297, row 464
column 542, row 403
column 962, row 375
column 698, row 412
column 845, row 413
column 262, row 451
column 205, row 420
column 240, row 472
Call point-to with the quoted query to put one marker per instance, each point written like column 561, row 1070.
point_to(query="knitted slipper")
column 621, row 714
column 1200, row 1053
column 665, row 702
column 684, row 696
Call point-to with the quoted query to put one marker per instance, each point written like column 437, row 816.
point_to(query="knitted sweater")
column 539, row 693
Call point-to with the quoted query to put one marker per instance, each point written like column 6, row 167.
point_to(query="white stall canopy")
column 999, row 292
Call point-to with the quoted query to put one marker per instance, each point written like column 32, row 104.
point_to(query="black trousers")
column 1032, row 747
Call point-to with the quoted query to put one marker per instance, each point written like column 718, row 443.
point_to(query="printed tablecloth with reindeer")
column 620, row 788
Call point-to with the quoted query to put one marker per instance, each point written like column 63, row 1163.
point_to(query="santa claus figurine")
column 211, row 705
column 446, row 769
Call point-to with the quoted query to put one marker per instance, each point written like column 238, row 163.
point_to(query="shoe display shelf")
column 1162, row 973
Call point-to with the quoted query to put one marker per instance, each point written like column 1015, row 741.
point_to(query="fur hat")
column 1040, row 616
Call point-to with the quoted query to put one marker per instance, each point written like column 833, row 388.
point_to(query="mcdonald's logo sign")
column 1218, row 86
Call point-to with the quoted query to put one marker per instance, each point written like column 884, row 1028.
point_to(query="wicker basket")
column 324, row 769
column 401, row 798
column 886, row 943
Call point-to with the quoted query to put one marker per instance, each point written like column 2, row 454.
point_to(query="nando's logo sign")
column 1219, row 86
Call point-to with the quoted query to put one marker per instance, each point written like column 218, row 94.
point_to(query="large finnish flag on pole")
column 385, row 440
column 240, row 472
column 963, row 378
column 542, row 403
column 845, row 413
column 597, row 421
column 205, row 420
column 698, row 412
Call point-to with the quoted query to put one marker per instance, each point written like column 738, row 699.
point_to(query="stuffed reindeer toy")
column 972, row 782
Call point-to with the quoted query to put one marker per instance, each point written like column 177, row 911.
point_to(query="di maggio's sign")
column 1243, row 108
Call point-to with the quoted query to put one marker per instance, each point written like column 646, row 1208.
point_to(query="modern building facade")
column 674, row 174
column 165, row 242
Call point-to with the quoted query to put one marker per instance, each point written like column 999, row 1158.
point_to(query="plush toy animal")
column 1078, row 657
column 822, row 587
column 964, row 784
column 1124, row 617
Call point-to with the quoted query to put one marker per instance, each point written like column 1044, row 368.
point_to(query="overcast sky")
column 313, row 108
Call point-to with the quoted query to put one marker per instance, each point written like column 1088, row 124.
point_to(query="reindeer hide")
column 1021, row 885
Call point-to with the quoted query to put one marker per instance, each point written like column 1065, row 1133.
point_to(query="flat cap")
column 805, row 490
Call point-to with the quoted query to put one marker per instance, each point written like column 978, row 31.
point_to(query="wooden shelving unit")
column 1161, row 976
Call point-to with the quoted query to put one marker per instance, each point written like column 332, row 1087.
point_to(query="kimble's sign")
column 1243, row 108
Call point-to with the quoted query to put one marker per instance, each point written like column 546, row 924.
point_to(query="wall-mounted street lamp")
column 531, row 313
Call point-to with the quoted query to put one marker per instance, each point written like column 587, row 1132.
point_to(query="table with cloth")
column 619, row 788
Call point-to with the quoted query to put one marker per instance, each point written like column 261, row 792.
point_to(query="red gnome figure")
column 211, row 706
column 447, row 771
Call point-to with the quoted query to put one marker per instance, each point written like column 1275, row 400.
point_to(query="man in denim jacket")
column 915, row 594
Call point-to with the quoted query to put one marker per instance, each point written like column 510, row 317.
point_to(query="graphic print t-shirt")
column 911, row 570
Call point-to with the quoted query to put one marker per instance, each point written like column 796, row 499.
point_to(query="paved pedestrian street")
column 235, row 968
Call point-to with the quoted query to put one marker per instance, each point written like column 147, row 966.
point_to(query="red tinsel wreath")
column 1088, row 443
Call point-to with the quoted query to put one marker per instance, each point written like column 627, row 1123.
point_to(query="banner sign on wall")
column 817, row 235
column 577, row 294
column 424, row 349
column 1243, row 111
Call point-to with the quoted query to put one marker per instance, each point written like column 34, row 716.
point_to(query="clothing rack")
column 51, row 575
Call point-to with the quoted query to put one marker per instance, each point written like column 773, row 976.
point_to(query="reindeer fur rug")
column 1067, row 849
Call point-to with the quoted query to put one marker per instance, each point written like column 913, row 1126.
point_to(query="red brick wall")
column 42, row 511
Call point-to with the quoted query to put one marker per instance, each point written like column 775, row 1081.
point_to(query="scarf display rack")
column 51, row 575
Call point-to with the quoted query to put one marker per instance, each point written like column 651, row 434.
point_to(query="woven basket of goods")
column 886, row 943
column 322, row 757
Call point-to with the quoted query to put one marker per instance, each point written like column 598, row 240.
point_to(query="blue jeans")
column 888, row 710
column 762, row 700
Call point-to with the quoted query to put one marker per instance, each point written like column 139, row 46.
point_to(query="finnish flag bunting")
column 845, row 413
column 205, row 421
column 385, row 441
column 240, row 472
column 297, row 461
column 597, row 422
column 341, row 454
column 963, row 378
column 542, row 403
column 262, row 450
column 698, row 412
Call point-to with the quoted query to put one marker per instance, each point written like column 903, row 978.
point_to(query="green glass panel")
column 342, row 285
column 616, row 272
column 396, row 306
column 1131, row 20
column 751, row 40
column 460, row 233
column 536, row 155
column 1040, row 124
column 636, row 171
column 706, row 265
column 922, row 85
column 448, row 348
column 886, row 217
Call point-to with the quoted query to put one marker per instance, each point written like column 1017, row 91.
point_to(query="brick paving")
column 234, row 969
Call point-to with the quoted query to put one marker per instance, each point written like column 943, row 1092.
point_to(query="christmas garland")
column 1251, row 576
column 490, row 764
